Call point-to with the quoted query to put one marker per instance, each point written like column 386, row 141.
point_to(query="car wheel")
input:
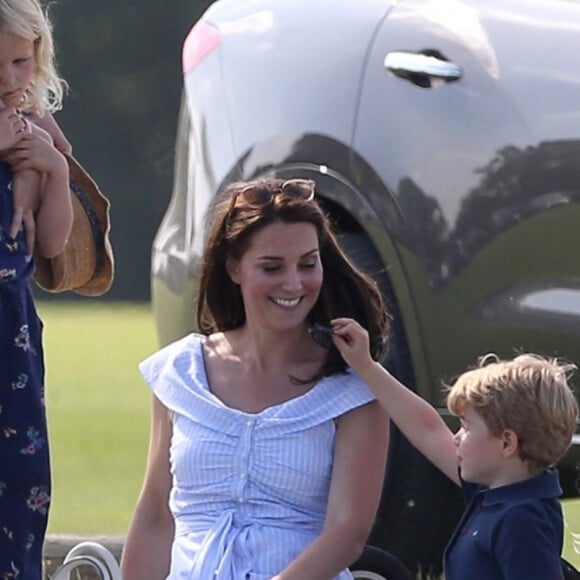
column 376, row 564
column 420, row 507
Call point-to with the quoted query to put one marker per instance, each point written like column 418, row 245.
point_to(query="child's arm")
column 26, row 197
column 416, row 419
column 48, row 123
column 526, row 541
column 54, row 216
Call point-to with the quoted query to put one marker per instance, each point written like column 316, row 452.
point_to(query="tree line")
column 122, row 60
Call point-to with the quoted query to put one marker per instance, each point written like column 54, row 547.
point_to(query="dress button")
column 249, row 422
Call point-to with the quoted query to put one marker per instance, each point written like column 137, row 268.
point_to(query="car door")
column 469, row 115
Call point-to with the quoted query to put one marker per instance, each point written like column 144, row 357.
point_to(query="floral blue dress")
column 24, row 455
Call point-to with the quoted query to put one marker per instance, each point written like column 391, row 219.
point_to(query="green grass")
column 98, row 408
column 98, row 412
column 572, row 531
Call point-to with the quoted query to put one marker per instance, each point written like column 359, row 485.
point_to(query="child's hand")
column 352, row 341
column 11, row 127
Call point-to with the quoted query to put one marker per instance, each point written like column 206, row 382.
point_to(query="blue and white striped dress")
column 249, row 491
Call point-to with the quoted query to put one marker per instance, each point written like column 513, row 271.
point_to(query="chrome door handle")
column 425, row 68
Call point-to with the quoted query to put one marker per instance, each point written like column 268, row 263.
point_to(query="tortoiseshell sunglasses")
column 257, row 195
column 321, row 335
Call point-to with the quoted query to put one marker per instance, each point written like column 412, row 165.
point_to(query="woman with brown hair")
column 267, row 453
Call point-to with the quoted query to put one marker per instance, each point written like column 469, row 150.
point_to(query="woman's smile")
column 287, row 302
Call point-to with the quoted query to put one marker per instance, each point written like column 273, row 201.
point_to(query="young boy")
column 517, row 419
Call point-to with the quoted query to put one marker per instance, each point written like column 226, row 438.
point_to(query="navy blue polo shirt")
column 513, row 532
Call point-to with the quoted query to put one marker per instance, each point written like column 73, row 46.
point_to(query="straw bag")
column 86, row 264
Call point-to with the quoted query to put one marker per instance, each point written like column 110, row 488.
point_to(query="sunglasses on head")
column 321, row 335
column 257, row 195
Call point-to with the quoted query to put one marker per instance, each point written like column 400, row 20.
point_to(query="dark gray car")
column 444, row 138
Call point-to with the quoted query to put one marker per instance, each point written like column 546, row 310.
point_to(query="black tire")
column 376, row 564
column 419, row 507
column 570, row 573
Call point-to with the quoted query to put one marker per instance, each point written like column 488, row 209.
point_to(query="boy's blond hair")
column 27, row 19
column 529, row 395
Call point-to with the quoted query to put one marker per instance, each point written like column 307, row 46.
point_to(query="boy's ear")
column 232, row 267
column 510, row 443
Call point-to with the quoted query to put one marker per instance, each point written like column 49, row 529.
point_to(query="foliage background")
column 122, row 60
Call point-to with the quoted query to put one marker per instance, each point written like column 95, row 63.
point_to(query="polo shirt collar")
column 543, row 486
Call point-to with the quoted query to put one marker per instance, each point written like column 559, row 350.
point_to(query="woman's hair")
column 27, row 19
column 529, row 395
column 346, row 291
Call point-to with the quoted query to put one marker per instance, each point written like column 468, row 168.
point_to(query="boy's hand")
column 352, row 341
column 11, row 127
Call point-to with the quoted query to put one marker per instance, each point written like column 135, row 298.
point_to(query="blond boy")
column 517, row 419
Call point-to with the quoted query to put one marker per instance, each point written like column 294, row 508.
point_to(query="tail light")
column 202, row 40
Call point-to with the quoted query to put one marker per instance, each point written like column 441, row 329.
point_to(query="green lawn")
column 572, row 531
column 98, row 410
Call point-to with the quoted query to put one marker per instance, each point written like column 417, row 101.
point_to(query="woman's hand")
column 33, row 152
column 352, row 341
column 11, row 127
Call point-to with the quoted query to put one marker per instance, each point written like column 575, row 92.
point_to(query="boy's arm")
column 527, row 542
column 416, row 419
